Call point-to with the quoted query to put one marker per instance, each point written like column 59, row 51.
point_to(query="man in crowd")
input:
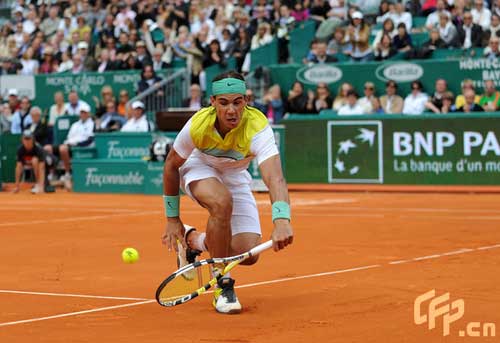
column 490, row 101
column 391, row 102
column 138, row 122
column 21, row 120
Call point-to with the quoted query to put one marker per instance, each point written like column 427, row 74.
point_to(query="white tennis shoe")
column 225, row 299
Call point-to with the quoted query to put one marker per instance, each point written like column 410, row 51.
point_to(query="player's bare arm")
column 175, row 229
column 272, row 175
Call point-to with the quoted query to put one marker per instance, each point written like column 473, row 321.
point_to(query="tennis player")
column 209, row 160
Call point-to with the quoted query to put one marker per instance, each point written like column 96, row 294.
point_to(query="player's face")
column 229, row 109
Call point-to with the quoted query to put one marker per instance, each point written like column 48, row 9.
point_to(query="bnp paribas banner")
column 427, row 151
column 403, row 72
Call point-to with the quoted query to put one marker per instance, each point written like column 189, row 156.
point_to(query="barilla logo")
column 93, row 178
column 114, row 151
column 429, row 308
column 400, row 72
column 319, row 73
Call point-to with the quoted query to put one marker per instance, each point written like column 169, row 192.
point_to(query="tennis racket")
column 196, row 278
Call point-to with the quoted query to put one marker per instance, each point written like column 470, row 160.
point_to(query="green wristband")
column 171, row 203
column 281, row 210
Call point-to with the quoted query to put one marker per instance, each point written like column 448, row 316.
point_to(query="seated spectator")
column 338, row 45
column 21, row 120
column 58, row 109
column 138, row 121
column 299, row 12
column 297, row 99
column 492, row 51
column 402, row 41
column 30, row 154
column 398, row 15
column 105, row 63
column 319, row 10
column 385, row 49
column 319, row 100
column 38, row 126
column 49, row 64
column 142, row 55
column 388, row 28
column 448, row 32
column 415, row 101
column 495, row 7
column 358, row 34
column 13, row 102
column 148, row 78
column 195, row 100
column 88, row 61
column 110, row 120
column 74, row 104
column 214, row 55
column 433, row 18
column 470, row 35
column 30, row 65
column 494, row 29
column 262, row 37
column 434, row 42
column 341, row 98
column 66, row 63
column 320, row 55
column 351, row 107
column 460, row 100
column 50, row 24
column 435, row 102
column 272, row 104
column 241, row 47
column 101, row 105
column 448, row 103
column 481, row 15
column 81, row 134
column 470, row 105
column 490, row 100
column 77, row 67
column 367, row 102
column 123, row 99
column 227, row 43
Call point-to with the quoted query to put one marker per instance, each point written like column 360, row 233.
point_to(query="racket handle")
column 260, row 248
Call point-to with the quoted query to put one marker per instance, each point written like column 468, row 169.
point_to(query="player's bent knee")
column 251, row 260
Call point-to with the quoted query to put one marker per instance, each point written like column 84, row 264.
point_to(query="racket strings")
column 186, row 283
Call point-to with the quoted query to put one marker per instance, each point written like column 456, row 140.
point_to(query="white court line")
column 76, row 313
column 70, row 295
column 461, row 251
column 73, row 219
column 64, row 209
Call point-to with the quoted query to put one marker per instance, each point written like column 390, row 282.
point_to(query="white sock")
column 199, row 242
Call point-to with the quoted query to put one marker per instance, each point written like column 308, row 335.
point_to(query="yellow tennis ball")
column 130, row 255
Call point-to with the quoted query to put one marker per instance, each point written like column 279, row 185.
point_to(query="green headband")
column 229, row 85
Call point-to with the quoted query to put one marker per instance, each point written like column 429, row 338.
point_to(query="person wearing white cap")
column 358, row 33
column 81, row 134
column 138, row 121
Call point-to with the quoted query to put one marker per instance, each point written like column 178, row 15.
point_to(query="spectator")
column 284, row 25
column 241, row 48
column 158, row 62
column 490, row 100
column 433, row 18
column 319, row 100
column 122, row 103
column 38, row 126
column 320, row 56
column 262, row 37
column 21, row 120
column 89, row 62
column 469, row 34
column 492, row 51
column 388, row 28
column 74, row 105
column 481, row 15
column 358, row 33
column 385, row 49
column 434, row 42
column 448, row 103
column 110, row 120
column 448, row 32
column 297, row 99
column 49, row 64
column 227, row 43
column 105, row 63
column 30, row 65
column 214, row 55
column 470, row 105
column 5, row 118
column 319, row 10
column 148, row 78
column 494, row 29
column 58, row 109
column 13, row 102
column 435, row 102
column 460, row 100
column 81, row 134
column 495, row 7
column 367, row 102
column 30, row 154
column 415, row 101
column 341, row 98
column 300, row 12
column 391, row 102
column 195, row 100
column 50, row 25
column 351, row 107
column 66, row 63
column 338, row 45
column 272, row 104
column 101, row 105
column 402, row 41
column 398, row 15
column 138, row 121
column 77, row 67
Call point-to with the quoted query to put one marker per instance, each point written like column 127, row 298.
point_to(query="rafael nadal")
column 209, row 160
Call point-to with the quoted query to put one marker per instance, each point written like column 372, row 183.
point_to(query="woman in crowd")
column 319, row 100
column 57, row 109
column 297, row 99
column 341, row 98
column 387, row 29
column 384, row 49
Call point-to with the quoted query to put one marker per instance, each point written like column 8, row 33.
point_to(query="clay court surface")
column 358, row 262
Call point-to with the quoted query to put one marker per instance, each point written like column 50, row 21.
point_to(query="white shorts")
column 245, row 216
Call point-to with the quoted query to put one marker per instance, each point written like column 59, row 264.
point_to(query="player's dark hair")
column 226, row 74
